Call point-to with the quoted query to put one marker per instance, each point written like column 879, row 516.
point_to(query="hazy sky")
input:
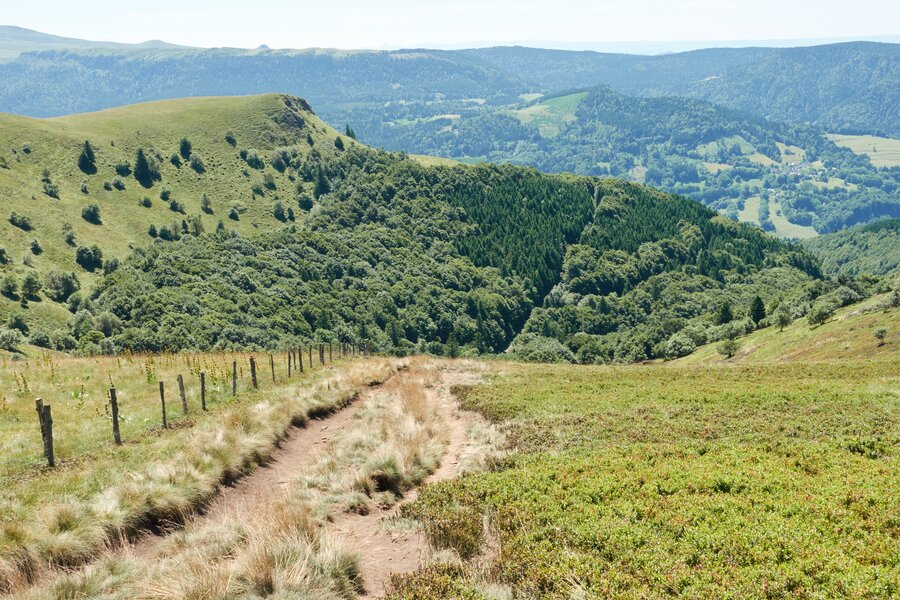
column 405, row 23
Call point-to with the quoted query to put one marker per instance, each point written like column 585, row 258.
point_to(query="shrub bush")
column 91, row 214
column 9, row 338
column 20, row 221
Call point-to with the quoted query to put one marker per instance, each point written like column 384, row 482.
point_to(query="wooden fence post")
column 290, row 358
column 330, row 359
column 114, row 406
column 272, row 364
column 234, row 378
column 253, row 372
column 203, row 391
column 162, row 400
column 310, row 357
column 47, row 417
column 46, row 421
column 181, row 391
column 321, row 354
column 299, row 357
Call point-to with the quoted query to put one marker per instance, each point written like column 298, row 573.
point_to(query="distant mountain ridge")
column 16, row 40
column 849, row 87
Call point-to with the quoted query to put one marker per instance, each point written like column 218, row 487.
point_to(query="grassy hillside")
column 31, row 149
column 848, row 336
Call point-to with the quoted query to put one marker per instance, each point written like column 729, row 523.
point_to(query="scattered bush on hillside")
column 304, row 200
column 230, row 139
column 9, row 338
column 233, row 214
column 880, row 335
column 252, row 158
column 9, row 287
column 107, row 186
column 68, row 234
column 152, row 231
column 783, row 317
column 31, row 286
column 165, row 194
column 61, row 285
column 206, row 204
column 118, row 184
column 679, row 345
column 51, row 189
column 146, row 202
column 87, row 161
column 84, row 187
column 20, row 221
column 820, row 313
column 185, row 148
column 4, row 257
column 91, row 214
column 176, row 206
column 278, row 211
column 18, row 323
column 123, row 169
column 89, row 258
column 728, row 348
column 41, row 339
column 146, row 169
column 35, row 247
column 197, row 164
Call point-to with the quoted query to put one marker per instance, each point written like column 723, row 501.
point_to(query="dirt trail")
column 382, row 552
column 300, row 448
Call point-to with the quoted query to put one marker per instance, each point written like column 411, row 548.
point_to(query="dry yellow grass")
column 282, row 549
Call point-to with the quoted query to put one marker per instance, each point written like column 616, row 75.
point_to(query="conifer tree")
column 87, row 162
column 757, row 310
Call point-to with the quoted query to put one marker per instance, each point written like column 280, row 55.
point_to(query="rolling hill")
column 233, row 222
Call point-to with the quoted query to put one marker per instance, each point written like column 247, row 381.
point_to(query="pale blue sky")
column 406, row 23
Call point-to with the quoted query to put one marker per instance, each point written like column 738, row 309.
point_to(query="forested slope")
column 741, row 164
column 872, row 249
column 247, row 222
